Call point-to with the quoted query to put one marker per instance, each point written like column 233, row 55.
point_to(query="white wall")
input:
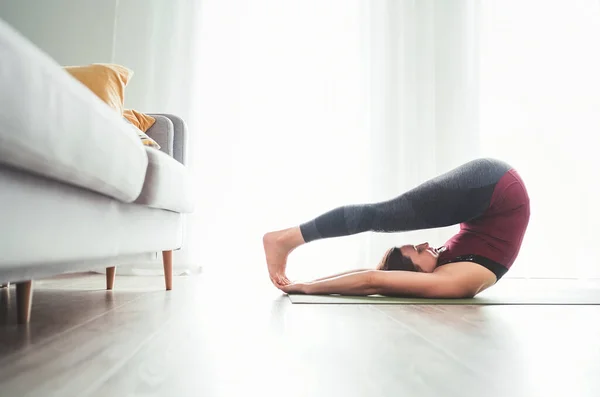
column 143, row 35
column 71, row 31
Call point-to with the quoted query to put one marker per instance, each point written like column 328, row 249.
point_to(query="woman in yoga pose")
column 487, row 197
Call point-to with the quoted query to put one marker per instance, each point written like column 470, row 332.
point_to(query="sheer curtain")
column 281, row 108
column 297, row 107
column 423, row 100
column 540, row 110
column 303, row 106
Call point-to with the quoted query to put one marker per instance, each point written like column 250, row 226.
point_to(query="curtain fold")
column 539, row 110
column 423, row 100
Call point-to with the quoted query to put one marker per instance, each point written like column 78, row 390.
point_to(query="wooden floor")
column 214, row 336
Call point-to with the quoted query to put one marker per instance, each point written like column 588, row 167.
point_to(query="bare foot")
column 278, row 245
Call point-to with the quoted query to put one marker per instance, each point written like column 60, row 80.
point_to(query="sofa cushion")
column 54, row 126
column 167, row 185
column 49, row 226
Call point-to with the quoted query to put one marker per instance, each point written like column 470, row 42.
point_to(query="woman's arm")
column 340, row 274
column 372, row 282
column 446, row 284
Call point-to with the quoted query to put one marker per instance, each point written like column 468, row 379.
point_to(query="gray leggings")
column 457, row 196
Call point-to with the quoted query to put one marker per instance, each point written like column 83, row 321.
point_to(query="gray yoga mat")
column 507, row 292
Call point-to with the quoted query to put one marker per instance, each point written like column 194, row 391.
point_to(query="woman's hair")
column 394, row 260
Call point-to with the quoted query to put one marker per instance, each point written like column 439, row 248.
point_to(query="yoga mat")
column 529, row 292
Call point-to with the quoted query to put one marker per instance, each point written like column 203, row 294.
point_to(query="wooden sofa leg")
column 110, row 277
column 24, row 297
column 168, row 265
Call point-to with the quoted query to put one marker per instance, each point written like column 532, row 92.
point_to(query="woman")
column 486, row 197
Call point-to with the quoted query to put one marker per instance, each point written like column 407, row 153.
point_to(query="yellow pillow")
column 106, row 80
column 140, row 120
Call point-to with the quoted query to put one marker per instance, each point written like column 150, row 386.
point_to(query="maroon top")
column 494, row 238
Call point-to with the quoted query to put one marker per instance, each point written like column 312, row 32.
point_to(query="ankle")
column 290, row 238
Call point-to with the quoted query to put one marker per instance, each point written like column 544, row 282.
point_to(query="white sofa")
column 78, row 190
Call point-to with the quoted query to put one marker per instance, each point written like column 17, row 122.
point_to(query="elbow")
column 467, row 295
column 371, row 284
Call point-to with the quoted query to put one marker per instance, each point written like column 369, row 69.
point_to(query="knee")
column 359, row 218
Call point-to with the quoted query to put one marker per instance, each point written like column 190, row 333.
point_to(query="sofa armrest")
column 162, row 131
column 170, row 132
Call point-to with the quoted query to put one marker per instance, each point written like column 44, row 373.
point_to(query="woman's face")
column 423, row 256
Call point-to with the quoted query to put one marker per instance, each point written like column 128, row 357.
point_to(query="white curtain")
column 423, row 100
column 540, row 109
column 297, row 107
column 307, row 105
column 281, row 108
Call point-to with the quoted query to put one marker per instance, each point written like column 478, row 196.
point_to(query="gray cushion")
column 54, row 126
column 167, row 185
